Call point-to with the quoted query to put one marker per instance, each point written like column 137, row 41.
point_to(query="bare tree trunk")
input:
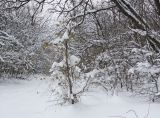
column 68, row 73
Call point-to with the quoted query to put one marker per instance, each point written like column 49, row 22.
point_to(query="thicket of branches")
column 117, row 43
column 23, row 36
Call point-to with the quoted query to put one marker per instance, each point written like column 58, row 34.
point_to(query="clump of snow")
column 141, row 32
column 131, row 71
column 1, row 59
column 157, row 94
column 92, row 73
column 73, row 60
column 56, row 64
column 144, row 67
column 65, row 35
column 77, row 69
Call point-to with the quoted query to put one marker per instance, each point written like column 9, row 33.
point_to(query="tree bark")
column 68, row 73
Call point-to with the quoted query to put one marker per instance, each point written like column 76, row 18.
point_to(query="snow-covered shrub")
column 145, row 72
column 21, row 42
column 71, row 81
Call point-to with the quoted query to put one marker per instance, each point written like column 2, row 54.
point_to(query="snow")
column 141, row 32
column 77, row 69
column 1, row 43
column 131, row 70
column 32, row 99
column 55, row 65
column 92, row 73
column 62, row 39
column 157, row 94
column 145, row 67
column 65, row 35
column 57, row 40
column 1, row 58
column 73, row 60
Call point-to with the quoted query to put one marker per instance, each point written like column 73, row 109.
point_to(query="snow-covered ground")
column 32, row 99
